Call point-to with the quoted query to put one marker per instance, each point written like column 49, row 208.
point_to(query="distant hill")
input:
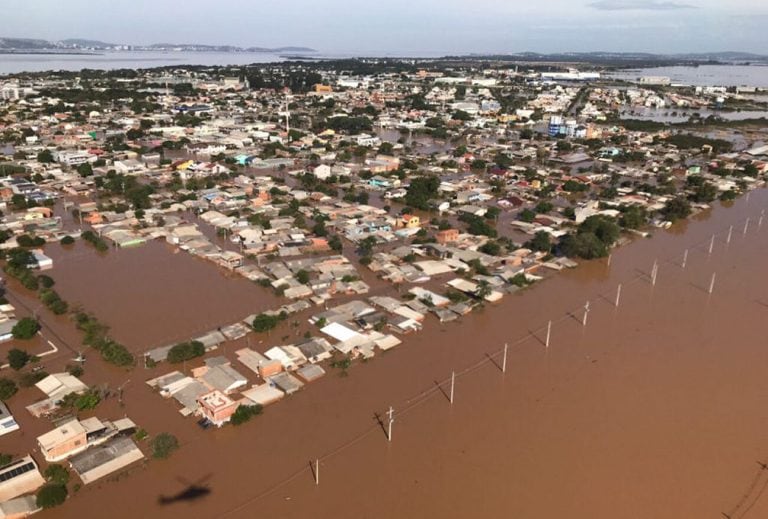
column 25, row 44
column 94, row 44
column 194, row 47
column 33, row 45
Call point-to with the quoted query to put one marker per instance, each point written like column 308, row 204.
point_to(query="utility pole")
column 391, row 416
column 586, row 313
column 618, row 295
column 712, row 283
column 746, row 226
column 609, row 259
column 549, row 333
column 711, row 244
column 654, row 272
column 504, row 359
column 453, row 384
column 730, row 232
column 317, row 472
column 685, row 258
column 120, row 392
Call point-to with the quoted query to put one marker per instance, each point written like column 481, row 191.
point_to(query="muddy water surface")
column 654, row 409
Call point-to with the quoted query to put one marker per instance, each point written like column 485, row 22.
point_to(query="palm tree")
column 483, row 289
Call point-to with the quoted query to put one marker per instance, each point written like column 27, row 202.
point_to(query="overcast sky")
column 404, row 26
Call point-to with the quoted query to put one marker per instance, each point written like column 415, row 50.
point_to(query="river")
column 704, row 75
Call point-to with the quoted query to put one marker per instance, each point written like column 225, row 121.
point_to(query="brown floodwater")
column 654, row 409
column 155, row 294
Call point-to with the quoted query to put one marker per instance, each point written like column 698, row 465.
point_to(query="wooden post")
column 453, row 384
column 317, row 472
column 685, row 258
column 586, row 312
column 609, row 259
column 618, row 295
column 654, row 271
column 712, row 283
column 711, row 244
column 390, row 414
column 746, row 226
column 504, row 359
column 730, row 232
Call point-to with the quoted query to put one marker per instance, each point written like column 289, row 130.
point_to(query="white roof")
column 339, row 332
column 433, row 267
column 387, row 342
column 61, row 434
column 409, row 313
column 60, row 384
column 277, row 353
column 462, row 285
column 264, row 394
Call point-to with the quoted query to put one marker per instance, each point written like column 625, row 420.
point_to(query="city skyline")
column 431, row 27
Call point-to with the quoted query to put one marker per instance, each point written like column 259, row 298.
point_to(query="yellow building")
column 410, row 221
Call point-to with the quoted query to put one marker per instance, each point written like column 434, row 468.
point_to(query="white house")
column 322, row 172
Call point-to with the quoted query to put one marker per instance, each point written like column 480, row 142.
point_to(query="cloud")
column 638, row 5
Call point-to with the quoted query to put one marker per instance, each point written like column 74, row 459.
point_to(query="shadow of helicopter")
column 191, row 492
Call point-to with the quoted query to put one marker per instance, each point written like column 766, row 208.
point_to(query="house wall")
column 65, row 448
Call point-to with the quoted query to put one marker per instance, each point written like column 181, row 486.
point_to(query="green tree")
column 244, row 413
column 483, row 289
column 57, row 474
column 8, row 388
column 17, row 358
column 606, row 230
column 705, row 193
column 583, row 245
column 491, row 247
column 85, row 169
column 334, row 242
column 543, row 207
column 25, row 329
column 19, row 202
column 461, row 115
column 676, row 209
column 421, row 190
column 540, row 242
column 573, row 186
column 45, row 157
column 492, row 213
column 526, row 215
column 163, row 445
column 633, row 217
column 302, row 276
column 265, row 322
column 51, row 495
column 186, row 351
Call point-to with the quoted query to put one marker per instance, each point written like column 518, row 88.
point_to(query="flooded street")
column 654, row 409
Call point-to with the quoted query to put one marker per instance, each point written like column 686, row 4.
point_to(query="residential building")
column 217, row 407
column 19, row 478
column 7, row 422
